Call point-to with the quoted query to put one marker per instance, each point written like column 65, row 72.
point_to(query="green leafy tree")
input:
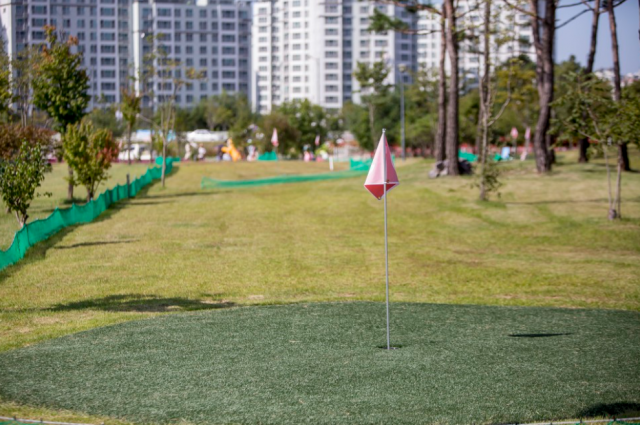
column 5, row 80
column 228, row 112
column 168, row 75
column 61, row 88
column 104, row 117
column 516, row 79
column 89, row 153
column 131, row 107
column 308, row 119
column 422, row 111
column 356, row 120
column 12, row 136
column 451, row 33
column 373, row 90
column 20, row 176
column 606, row 121
column 26, row 67
column 288, row 135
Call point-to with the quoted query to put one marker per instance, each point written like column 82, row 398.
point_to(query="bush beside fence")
column 40, row 230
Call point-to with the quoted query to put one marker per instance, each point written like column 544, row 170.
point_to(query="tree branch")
column 413, row 4
column 521, row 10
column 572, row 19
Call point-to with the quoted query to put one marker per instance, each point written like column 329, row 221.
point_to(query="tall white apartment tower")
column 211, row 37
column 515, row 24
column 102, row 29
column 309, row 49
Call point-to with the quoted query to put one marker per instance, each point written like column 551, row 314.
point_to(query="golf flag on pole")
column 382, row 177
column 318, row 140
column 274, row 137
column 376, row 177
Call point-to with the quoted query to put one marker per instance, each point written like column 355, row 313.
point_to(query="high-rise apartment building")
column 310, row 49
column 102, row 29
column 514, row 30
column 272, row 50
column 211, row 36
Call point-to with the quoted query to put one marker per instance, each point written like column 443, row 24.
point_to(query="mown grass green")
column 320, row 364
column 545, row 242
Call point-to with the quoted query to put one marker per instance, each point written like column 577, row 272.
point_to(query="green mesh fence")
column 357, row 168
column 268, row 156
column 40, row 230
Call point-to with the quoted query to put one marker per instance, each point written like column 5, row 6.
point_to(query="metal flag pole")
column 386, row 244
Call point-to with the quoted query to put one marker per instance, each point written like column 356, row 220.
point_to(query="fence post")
column 128, row 183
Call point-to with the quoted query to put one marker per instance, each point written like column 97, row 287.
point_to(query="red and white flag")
column 376, row 178
column 318, row 140
column 514, row 133
column 274, row 138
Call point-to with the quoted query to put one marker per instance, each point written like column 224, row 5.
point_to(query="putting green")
column 319, row 363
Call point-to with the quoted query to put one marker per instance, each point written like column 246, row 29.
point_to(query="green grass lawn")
column 320, row 364
column 545, row 242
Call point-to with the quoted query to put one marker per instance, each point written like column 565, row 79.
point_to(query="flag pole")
column 386, row 243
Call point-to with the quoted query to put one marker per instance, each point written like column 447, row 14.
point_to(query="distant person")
column 220, row 152
column 251, row 153
column 202, row 152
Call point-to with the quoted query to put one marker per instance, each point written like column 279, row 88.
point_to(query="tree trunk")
column 584, row 142
column 372, row 110
column 452, row 141
column 612, row 209
column 442, row 93
column 619, row 186
column 129, row 143
column 70, row 186
column 623, row 155
column 22, row 219
column 164, row 160
column 543, row 43
column 485, row 104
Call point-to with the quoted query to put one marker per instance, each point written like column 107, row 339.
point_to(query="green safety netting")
column 468, row 156
column 268, row 156
column 39, row 230
column 357, row 168
column 159, row 160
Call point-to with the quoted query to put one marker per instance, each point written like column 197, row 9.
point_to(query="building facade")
column 309, row 49
column 209, row 36
column 102, row 29
column 273, row 50
column 514, row 31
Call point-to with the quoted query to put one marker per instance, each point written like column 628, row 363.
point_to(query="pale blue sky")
column 573, row 39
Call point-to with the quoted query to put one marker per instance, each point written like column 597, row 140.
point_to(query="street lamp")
column 402, row 68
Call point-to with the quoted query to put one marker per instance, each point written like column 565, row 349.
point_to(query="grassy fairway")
column 547, row 242
column 319, row 363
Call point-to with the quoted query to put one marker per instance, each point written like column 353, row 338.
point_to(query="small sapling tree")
column 89, row 153
column 607, row 121
column 5, row 80
column 61, row 88
column 20, row 176
column 373, row 88
column 130, row 107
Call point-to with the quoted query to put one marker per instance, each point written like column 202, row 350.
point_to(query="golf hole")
column 393, row 347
